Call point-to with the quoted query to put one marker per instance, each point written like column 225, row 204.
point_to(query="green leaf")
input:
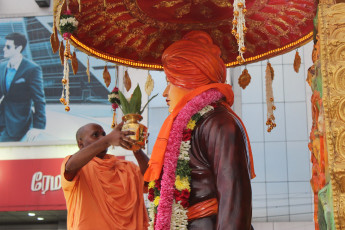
column 147, row 103
column 135, row 102
column 124, row 105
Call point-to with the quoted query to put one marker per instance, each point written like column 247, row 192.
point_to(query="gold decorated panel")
column 332, row 54
column 339, row 78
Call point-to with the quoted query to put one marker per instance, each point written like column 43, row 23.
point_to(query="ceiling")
column 22, row 217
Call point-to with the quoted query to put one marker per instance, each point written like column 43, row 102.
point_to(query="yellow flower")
column 156, row 201
column 152, row 184
column 191, row 124
column 181, row 184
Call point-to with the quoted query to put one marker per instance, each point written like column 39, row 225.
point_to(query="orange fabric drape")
column 157, row 158
column 203, row 209
column 194, row 61
column 106, row 194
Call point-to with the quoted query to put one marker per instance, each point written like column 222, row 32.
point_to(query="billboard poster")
column 30, row 87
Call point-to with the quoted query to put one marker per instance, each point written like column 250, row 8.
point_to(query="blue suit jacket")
column 16, row 113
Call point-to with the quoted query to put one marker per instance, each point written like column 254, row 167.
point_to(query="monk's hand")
column 121, row 138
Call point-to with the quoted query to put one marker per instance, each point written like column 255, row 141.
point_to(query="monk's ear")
column 80, row 144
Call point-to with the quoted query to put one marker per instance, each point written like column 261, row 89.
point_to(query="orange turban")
column 194, row 61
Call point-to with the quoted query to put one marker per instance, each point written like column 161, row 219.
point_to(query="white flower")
column 179, row 219
column 112, row 95
column 151, row 215
column 206, row 109
column 184, row 150
column 70, row 20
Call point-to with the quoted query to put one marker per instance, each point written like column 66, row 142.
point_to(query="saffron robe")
column 106, row 194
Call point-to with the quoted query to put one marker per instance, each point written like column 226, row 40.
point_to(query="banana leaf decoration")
column 134, row 104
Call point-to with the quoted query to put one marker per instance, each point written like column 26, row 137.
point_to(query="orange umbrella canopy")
column 136, row 32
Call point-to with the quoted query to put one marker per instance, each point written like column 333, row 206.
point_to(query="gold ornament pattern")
column 331, row 33
column 88, row 70
column 54, row 40
column 61, row 53
column 127, row 81
column 149, row 84
column 106, row 76
column 244, row 79
column 297, row 62
column 74, row 63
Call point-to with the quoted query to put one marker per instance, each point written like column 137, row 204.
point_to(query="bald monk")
column 101, row 191
column 203, row 132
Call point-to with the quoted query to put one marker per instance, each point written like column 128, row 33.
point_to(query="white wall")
column 284, row 226
column 21, row 8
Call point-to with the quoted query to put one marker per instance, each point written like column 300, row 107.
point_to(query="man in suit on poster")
column 21, row 87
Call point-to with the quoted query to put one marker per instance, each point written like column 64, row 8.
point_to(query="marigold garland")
column 170, row 210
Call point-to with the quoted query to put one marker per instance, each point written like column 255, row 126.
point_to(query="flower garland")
column 169, row 195
column 68, row 24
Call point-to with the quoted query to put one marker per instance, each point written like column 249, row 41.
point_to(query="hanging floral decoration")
column 269, row 98
column 68, row 24
column 239, row 27
column 114, row 98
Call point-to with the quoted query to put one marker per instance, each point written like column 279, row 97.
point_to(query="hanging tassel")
column 269, row 98
column 106, row 76
column 116, row 75
column 105, row 4
column 239, row 27
column 244, row 79
column 88, row 70
column 127, row 81
column 149, row 84
column 297, row 62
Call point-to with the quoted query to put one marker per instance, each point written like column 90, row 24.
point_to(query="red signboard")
column 32, row 184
